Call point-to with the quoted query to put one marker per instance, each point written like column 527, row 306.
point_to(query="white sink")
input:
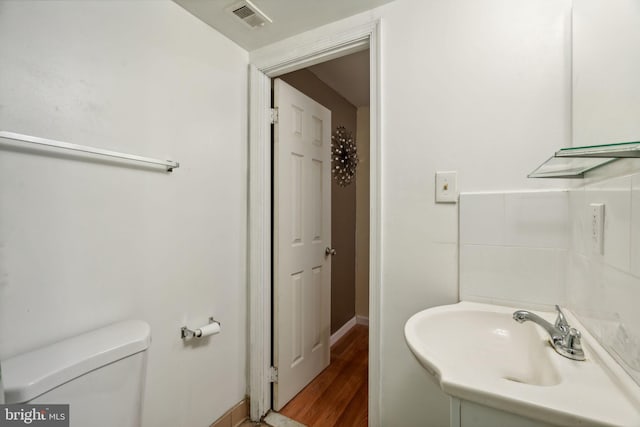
column 477, row 352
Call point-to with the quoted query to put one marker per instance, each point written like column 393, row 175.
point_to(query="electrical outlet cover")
column 596, row 222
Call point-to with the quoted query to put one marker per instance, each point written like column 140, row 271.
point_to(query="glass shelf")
column 574, row 162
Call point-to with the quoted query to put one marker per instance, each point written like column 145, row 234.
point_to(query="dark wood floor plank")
column 356, row 414
column 330, row 406
column 339, row 395
column 312, row 392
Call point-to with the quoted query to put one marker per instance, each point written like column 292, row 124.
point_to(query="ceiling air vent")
column 248, row 13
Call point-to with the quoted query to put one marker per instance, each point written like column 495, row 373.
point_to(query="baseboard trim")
column 362, row 320
column 234, row 416
column 342, row 331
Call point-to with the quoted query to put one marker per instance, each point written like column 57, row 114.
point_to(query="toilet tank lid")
column 28, row 375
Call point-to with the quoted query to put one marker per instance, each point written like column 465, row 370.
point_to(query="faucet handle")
column 572, row 344
column 561, row 321
column 573, row 339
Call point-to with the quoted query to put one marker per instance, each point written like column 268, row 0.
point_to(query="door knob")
column 329, row 251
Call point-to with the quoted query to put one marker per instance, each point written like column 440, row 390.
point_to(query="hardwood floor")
column 338, row 396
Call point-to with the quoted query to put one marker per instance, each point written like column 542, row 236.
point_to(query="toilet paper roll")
column 210, row 329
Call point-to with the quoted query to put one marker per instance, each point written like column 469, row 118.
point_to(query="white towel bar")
column 170, row 165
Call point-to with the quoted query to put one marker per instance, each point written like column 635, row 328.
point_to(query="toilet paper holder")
column 186, row 333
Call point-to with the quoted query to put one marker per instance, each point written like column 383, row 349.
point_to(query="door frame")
column 323, row 44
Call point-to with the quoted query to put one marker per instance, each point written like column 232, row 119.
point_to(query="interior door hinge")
column 273, row 375
column 274, row 115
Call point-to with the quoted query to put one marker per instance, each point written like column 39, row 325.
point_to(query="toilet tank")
column 100, row 374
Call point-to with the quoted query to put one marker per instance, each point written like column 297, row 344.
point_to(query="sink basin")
column 477, row 352
column 501, row 348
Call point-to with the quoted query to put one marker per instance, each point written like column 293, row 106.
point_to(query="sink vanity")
column 501, row 372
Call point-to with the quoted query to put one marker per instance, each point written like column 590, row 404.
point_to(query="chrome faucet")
column 564, row 339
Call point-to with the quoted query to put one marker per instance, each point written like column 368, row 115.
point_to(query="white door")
column 302, row 233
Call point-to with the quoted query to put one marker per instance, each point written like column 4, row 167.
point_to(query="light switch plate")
column 447, row 187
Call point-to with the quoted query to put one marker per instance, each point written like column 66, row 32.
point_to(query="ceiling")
column 348, row 75
column 290, row 17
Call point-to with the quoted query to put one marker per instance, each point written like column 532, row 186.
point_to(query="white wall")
column 606, row 65
column 87, row 242
column 477, row 87
column 604, row 289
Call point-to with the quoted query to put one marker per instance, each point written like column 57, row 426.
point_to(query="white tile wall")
column 635, row 225
column 578, row 221
column 584, row 286
column 537, row 220
column 509, row 275
column 482, row 219
column 513, row 247
column 534, row 249
column 621, row 304
column 604, row 290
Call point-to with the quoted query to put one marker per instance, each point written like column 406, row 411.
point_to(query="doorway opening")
column 342, row 86
column 323, row 44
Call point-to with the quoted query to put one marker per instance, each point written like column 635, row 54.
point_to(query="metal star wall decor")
column 344, row 156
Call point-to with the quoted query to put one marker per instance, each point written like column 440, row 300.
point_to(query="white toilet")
column 100, row 374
